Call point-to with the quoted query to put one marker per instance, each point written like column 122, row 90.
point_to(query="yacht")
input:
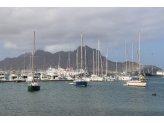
column 13, row 76
column 2, row 76
column 53, row 76
column 36, row 77
column 136, row 81
column 160, row 72
column 64, row 72
column 23, row 76
column 62, row 77
column 43, row 76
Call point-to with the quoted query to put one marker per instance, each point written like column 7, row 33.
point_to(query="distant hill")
column 52, row 59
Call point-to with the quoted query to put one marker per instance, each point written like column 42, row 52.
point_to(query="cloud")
column 59, row 47
column 55, row 27
column 11, row 46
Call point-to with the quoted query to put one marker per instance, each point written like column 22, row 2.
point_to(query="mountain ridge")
column 52, row 59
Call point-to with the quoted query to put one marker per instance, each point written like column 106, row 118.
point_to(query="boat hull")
column 33, row 88
column 140, row 84
column 80, row 83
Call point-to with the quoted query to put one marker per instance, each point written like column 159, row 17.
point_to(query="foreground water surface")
column 97, row 99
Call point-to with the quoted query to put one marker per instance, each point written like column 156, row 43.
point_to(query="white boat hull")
column 141, row 84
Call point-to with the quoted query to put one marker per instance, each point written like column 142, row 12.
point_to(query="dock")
column 38, row 81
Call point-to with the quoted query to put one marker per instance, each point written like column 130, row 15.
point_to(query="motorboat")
column 43, row 76
column 2, row 76
column 13, row 76
column 53, row 76
column 23, row 76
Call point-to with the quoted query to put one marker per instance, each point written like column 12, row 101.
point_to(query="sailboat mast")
column 33, row 56
column 59, row 61
column 69, row 54
column 132, row 56
column 43, row 63
column 85, row 58
column 81, row 53
column 93, row 63
column 24, row 62
column 126, row 55
column 139, row 52
column 98, row 57
column 96, row 61
column 152, row 63
column 116, row 55
column 77, row 58
column 101, row 63
column 106, row 61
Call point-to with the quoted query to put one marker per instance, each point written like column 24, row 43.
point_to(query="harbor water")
column 97, row 99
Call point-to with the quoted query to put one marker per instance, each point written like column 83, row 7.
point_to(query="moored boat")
column 134, row 81
column 80, row 82
column 43, row 76
column 13, row 76
column 33, row 85
column 2, row 76
column 23, row 76
column 138, row 81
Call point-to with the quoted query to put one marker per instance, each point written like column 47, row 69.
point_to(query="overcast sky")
column 56, row 27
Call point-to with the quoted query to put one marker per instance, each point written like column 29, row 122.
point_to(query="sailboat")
column 33, row 86
column 80, row 81
column 137, row 81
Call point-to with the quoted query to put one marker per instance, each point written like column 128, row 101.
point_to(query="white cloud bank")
column 59, row 47
column 11, row 46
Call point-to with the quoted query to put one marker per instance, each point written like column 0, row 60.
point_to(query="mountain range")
column 44, row 60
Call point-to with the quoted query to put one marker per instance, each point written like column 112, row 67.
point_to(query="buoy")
column 51, row 82
column 158, row 80
column 66, row 82
column 21, row 82
column 154, row 94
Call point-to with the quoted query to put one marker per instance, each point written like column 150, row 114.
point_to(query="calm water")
column 97, row 99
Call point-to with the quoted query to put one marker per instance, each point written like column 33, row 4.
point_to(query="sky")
column 56, row 27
